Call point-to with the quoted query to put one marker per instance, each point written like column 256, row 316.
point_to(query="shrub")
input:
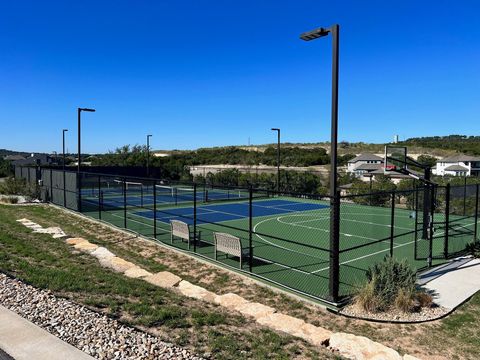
column 404, row 300
column 367, row 299
column 389, row 276
column 424, row 299
column 12, row 186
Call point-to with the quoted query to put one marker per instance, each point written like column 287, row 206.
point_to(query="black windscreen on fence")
column 283, row 238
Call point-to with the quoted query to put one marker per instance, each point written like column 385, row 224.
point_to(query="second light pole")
column 278, row 157
column 148, row 154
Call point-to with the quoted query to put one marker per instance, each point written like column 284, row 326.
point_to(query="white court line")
column 357, row 221
column 375, row 253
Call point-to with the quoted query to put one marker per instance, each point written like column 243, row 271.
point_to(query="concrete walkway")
column 454, row 283
column 25, row 341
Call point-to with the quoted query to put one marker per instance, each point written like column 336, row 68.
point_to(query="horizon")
column 244, row 71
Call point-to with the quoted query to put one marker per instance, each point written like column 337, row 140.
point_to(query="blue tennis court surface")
column 232, row 211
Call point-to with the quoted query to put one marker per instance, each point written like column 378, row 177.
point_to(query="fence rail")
column 287, row 234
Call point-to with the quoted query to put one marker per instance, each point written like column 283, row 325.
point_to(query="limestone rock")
column 116, row 264
column 196, row 292
column 230, row 301
column 24, row 220
column 75, row 241
column 163, row 279
column 102, row 253
column 361, row 348
column 86, row 246
column 255, row 309
column 314, row 334
column 282, row 322
column 137, row 272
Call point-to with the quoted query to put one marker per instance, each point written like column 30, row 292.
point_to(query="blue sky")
column 208, row 73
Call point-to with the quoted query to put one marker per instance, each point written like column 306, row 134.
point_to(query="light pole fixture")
column 334, row 30
column 278, row 157
column 148, row 154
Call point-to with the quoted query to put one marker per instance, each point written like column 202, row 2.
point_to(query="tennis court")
column 290, row 236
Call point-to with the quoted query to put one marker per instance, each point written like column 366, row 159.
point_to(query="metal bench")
column 180, row 230
column 230, row 245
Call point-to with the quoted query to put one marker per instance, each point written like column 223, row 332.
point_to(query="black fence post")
column 125, row 203
column 415, row 249
column 51, row 185
column 64, row 190
column 475, row 231
column 99, row 198
column 79, row 191
column 430, row 226
column 155, row 209
column 447, row 220
column 465, row 197
column 392, row 224
column 250, row 228
column 194, row 219
column 334, row 284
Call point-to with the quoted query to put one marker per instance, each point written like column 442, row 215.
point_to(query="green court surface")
column 290, row 237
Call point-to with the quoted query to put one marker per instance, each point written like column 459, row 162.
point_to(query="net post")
column 124, row 202
column 392, row 224
column 194, row 219
column 475, row 229
column 155, row 209
column 141, row 194
column 250, row 227
column 99, row 198
column 334, row 283
column 175, row 194
column 447, row 220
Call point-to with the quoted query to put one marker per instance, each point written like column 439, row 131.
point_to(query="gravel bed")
column 424, row 314
column 93, row 333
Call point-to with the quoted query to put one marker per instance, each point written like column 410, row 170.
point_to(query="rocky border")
column 348, row 345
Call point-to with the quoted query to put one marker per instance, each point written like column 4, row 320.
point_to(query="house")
column 364, row 164
column 13, row 157
column 34, row 159
column 458, row 165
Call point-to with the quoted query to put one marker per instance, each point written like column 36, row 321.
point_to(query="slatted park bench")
column 180, row 229
column 230, row 245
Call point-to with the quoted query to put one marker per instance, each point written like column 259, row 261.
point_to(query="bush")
column 12, row 186
column 391, row 284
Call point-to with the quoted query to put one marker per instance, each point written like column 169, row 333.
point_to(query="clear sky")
column 208, row 73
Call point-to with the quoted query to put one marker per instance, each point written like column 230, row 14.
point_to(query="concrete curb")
column 23, row 340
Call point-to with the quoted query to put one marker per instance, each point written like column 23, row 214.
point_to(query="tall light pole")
column 79, row 132
column 63, row 147
column 278, row 157
column 334, row 30
column 148, row 154
column 79, row 161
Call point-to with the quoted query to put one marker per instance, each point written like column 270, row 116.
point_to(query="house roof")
column 366, row 157
column 456, row 168
column 368, row 167
column 460, row 158
column 14, row 157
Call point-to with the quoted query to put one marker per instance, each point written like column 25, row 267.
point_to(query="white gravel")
column 93, row 333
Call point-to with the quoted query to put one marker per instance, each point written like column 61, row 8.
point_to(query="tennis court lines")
column 217, row 213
